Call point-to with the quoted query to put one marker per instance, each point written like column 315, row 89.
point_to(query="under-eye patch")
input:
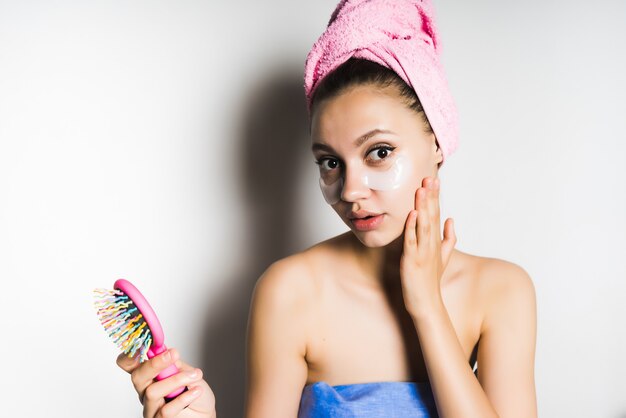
column 376, row 178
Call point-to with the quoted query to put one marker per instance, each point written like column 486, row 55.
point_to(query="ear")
column 438, row 152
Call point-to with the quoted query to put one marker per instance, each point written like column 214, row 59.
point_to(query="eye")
column 381, row 152
column 332, row 163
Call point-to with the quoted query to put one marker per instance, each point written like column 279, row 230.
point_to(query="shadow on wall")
column 274, row 129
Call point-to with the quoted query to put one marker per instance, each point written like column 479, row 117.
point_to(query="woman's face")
column 378, row 174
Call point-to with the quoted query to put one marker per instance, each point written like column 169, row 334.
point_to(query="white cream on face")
column 391, row 178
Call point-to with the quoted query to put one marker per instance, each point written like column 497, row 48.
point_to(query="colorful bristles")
column 123, row 322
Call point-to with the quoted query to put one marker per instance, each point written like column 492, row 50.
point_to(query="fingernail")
column 167, row 357
column 195, row 392
column 192, row 374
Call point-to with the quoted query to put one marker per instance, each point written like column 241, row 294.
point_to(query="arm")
column 276, row 343
column 506, row 352
column 505, row 387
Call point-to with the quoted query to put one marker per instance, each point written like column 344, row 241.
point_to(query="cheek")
column 398, row 203
column 401, row 201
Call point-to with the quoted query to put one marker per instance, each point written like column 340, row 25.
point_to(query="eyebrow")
column 357, row 142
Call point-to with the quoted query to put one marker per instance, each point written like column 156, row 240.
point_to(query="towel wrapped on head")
column 400, row 35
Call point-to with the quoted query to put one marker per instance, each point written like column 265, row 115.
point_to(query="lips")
column 361, row 214
column 367, row 223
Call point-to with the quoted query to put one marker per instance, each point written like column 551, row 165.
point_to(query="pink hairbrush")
column 130, row 321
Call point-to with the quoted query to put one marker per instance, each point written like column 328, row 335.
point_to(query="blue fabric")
column 368, row 400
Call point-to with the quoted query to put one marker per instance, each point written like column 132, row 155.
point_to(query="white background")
column 167, row 143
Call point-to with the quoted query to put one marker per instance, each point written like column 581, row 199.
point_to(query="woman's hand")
column 424, row 255
column 197, row 402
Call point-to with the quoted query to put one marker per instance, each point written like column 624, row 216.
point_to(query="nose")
column 354, row 187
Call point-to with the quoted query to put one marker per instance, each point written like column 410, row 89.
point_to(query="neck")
column 382, row 264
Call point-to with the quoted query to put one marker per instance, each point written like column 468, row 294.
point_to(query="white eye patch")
column 374, row 178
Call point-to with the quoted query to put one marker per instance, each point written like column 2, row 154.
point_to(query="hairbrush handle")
column 169, row 371
column 156, row 331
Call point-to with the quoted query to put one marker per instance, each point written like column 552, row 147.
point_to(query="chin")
column 378, row 237
column 369, row 241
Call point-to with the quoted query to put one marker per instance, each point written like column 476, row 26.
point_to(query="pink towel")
column 402, row 36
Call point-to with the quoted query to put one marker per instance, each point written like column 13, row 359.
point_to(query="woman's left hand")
column 424, row 255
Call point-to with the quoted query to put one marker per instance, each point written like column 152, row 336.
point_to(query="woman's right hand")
column 197, row 402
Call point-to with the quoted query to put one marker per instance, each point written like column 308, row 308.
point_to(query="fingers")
column 449, row 241
column 433, row 211
column 423, row 217
column 182, row 365
column 433, row 205
column 155, row 393
column 181, row 402
column 423, row 225
column 128, row 364
column 410, row 236
column 144, row 374
column 428, row 234
column 152, row 393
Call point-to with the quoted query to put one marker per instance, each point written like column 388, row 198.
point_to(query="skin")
column 397, row 303
column 197, row 402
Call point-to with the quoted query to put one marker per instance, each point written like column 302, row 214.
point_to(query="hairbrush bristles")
column 123, row 322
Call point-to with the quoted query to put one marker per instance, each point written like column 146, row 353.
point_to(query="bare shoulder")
column 506, row 351
column 285, row 280
column 495, row 285
column 505, row 279
column 288, row 288
column 278, row 327
column 292, row 279
column 506, row 289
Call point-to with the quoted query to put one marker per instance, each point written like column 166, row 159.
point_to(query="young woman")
column 387, row 319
